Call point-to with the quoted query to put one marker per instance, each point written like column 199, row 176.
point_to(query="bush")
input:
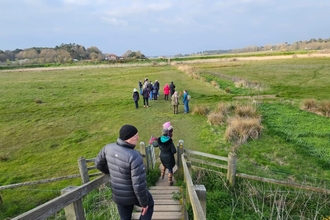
column 201, row 110
column 239, row 129
column 247, row 111
column 309, row 105
column 216, row 118
column 223, row 108
column 325, row 108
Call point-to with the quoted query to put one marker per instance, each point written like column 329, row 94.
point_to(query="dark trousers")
column 145, row 101
column 166, row 97
column 136, row 104
column 125, row 211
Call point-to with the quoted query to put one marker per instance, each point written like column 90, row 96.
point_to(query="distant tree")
column 47, row 56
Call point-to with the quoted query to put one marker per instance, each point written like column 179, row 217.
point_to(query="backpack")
column 188, row 97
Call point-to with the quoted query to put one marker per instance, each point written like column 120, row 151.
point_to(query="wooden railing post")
column 142, row 149
column 75, row 210
column 201, row 193
column 180, row 151
column 231, row 172
column 147, row 157
column 83, row 170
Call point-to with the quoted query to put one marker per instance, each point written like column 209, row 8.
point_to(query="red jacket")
column 166, row 89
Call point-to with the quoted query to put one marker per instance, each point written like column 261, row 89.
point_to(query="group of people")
column 127, row 171
column 150, row 91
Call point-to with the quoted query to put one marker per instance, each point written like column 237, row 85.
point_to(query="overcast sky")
column 161, row 28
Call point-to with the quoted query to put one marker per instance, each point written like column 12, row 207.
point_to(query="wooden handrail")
column 53, row 206
column 195, row 203
column 206, row 155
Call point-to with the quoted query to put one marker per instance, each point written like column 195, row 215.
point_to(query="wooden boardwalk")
column 166, row 207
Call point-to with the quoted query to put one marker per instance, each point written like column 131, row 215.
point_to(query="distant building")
column 111, row 57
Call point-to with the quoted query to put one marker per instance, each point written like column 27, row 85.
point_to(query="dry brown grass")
column 320, row 108
column 191, row 71
column 214, row 83
column 216, row 118
column 223, row 108
column 309, row 105
column 239, row 129
column 247, row 111
column 200, row 110
column 325, row 108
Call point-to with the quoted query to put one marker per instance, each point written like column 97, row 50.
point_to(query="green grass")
column 81, row 110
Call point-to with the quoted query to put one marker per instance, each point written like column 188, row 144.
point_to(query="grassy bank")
column 50, row 118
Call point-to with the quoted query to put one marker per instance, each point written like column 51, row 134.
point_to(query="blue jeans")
column 186, row 106
column 125, row 211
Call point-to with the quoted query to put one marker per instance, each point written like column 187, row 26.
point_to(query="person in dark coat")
column 172, row 88
column 167, row 151
column 128, row 178
column 136, row 98
column 145, row 94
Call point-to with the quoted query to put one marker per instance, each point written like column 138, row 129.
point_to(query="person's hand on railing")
column 152, row 139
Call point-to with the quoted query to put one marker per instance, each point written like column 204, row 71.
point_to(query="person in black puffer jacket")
column 127, row 174
column 167, row 151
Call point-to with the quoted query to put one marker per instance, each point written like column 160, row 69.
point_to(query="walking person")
column 175, row 102
column 150, row 87
column 166, row 91
column 136, row 98
column 127, row 174
column 167, row 151
column 145, row 95
column 185, row 101
column 140, row 86
column 167, row 125
column 172, row 88
column 158, row 86
column 155, row 89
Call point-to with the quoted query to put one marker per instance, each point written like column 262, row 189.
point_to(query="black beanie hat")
column 127, row 131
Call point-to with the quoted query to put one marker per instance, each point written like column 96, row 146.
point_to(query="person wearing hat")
column 136, row 98
column 167, row 125
column 127, row 174
column 167, row 151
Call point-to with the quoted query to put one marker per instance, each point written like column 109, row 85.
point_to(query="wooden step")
column 163, row 208
column 161, row 215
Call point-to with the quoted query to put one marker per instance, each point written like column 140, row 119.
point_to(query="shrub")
column 325, row 108
column 247, row 111
column 239, row 129
column 223, row 108
column 214, row 83
column 201, row 110
column 227, row 90
column 309, row 105
column 216, row 118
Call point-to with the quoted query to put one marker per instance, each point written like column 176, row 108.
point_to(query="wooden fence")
column 71, row 198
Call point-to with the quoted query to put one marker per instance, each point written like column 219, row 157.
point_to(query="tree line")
column 61, row 54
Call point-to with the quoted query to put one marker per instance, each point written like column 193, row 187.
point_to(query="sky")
column 161, row 28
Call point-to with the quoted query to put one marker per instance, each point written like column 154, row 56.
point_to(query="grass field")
column 50, row 118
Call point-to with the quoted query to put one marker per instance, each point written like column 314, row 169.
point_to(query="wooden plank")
column 161, row 215
column 206, row 155
column 163, row 208
column 284, row 183
column 167, row 202
column 165, row 187
column 39, row 182
column 163, row 191
column 208, row 163
column 194, row 201
column 158, row 197
column 53, row 206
